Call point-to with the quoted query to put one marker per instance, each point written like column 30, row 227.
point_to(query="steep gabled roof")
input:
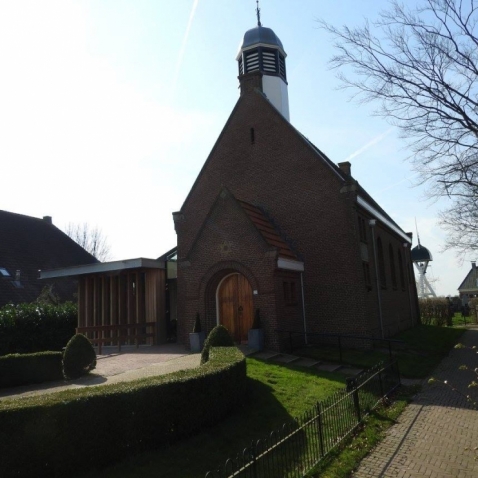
column 322, row 157
column 267, row 230
column 470, row 283
column 28, row 244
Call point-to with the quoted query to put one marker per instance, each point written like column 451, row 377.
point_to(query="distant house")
column 468, row 289
column 28, row 244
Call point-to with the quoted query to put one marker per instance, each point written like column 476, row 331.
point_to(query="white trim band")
column 382, row 218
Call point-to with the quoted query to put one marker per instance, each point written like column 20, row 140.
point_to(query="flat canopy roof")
column 102, row 267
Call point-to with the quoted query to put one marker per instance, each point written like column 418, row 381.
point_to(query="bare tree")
column 423, row 71
column 91, row 239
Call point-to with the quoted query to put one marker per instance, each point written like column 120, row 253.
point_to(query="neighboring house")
column 469, row 287
column 28, row 244
column 271, row 223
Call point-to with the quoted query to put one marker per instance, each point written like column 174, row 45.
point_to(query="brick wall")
column 261, row 159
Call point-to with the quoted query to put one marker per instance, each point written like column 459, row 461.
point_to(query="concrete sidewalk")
column 437, row 433
column 114, row 367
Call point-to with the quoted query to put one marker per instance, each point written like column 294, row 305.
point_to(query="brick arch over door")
column 210, row 284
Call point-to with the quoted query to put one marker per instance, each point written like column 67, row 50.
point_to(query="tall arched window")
column 392, row 266
column 381, row 264
column 400, row 269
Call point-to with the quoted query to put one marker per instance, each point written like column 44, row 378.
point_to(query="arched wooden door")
column 235, row 308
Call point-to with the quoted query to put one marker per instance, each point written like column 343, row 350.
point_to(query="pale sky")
column 109, row 108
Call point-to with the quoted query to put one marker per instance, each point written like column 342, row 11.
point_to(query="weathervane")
column 258, row 11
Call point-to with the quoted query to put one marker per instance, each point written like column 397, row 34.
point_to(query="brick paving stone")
column 437, row 433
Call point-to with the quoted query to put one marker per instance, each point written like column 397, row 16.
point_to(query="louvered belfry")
column 262, row 52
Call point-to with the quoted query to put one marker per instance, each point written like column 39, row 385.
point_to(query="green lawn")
column 424, row 347
column 276, row 394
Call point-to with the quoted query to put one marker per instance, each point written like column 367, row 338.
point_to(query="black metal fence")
column 299, row 445
column 292, row 341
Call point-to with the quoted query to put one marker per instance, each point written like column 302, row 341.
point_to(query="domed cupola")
column 262, row 51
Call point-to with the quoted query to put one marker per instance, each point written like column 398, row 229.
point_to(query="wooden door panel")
column 245, row 307
column 235, row 306
column 228, row 303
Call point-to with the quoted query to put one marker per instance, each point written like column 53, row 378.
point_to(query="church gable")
column 229, row 234
column 262, row 159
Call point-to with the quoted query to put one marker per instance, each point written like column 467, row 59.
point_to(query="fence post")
column 253, row 456
column 321, row 431
column 352, row 386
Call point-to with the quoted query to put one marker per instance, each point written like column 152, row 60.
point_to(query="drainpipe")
column 303, row 305
column 372, row 223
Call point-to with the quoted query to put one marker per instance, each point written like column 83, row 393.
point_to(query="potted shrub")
column 197, row 336
column 256, row 333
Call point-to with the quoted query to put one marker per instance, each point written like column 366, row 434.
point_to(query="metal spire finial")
column 416, row 227
column 258, row 11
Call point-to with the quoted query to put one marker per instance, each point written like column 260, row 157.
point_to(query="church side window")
column 362, row 229
column 381, row 264
column 400, row 269
column 290, row 293
column 366, row 275
column 392, row 266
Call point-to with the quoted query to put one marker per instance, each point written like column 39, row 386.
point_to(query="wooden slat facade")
column 135, row 296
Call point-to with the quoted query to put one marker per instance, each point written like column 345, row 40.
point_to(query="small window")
column 4, row 272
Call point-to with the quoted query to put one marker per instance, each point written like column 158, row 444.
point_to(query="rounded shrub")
column 218, row 337
column 79, row 357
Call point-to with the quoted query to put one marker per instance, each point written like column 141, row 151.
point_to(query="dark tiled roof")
column 267, row 230
column 28, row 244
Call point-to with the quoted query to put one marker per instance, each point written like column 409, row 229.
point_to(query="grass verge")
column 276, row 393
column 342, row 462
column 423, row 348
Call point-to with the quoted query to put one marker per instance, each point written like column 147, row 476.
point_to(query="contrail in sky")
column 369, row 144
column 183, row 46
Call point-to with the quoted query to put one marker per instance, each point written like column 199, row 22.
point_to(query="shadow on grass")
column 260, row 413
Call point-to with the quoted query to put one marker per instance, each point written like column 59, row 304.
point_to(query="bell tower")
column 262, row 53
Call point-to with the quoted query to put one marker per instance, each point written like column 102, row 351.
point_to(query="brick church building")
column 271, row 223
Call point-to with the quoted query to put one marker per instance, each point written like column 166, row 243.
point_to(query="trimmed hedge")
column 218, row 337
column 23, row 369
column 29, row 328
column 59, row 434
column 436, row 311
column 79, row 357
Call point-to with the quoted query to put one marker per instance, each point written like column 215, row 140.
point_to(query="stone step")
column 350, row 371
column 328, row 367
column 284, row 358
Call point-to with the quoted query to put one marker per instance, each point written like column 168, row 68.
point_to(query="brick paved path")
column 437, row 433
